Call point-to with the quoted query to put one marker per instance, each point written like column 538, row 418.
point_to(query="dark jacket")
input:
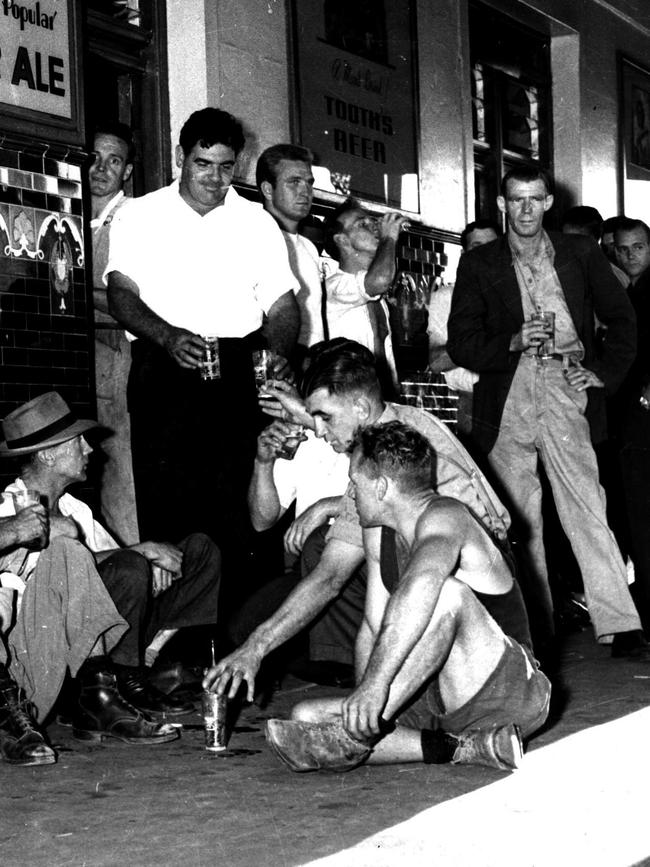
column 633, row 420
column 486, row 312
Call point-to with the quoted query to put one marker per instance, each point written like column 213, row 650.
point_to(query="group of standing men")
column 196, row 260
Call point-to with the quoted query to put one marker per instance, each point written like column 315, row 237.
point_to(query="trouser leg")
column 65, row 610
column 112, row 364
column 333, row 634
column 127, row 577
column 514, row 461
column 570, row 464
column 635, row 471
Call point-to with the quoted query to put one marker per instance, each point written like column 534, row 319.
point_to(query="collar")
column 101, row 219
column 544, row 247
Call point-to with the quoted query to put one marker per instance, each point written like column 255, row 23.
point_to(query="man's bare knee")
column 306, row 711
column 453, row 598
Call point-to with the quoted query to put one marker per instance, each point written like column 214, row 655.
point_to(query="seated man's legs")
column 191, row 600
column 66, row 620
column 469, row 657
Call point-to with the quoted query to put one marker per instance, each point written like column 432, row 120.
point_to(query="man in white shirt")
column 286, row 183
column 194, row 259
column 365, row 248
column 110, row 170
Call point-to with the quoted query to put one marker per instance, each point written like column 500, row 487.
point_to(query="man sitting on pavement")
column 111, row 602
column 445, row 670
column 365, row 248
column 342, row 395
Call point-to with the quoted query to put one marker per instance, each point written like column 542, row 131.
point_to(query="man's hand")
column 531, row 335
column 184, row 347
column 304, row 525
column 282, row 371
column 166, row 563
column 390, row 225
column 285, row 403
column 30, row 527
column 580, row 378
column 271, row 440
column 231, row 671
column 362, row 710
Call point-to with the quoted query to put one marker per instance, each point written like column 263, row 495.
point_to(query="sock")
column 438, row 747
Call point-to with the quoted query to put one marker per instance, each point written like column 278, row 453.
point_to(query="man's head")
column 112, row 160
column 341, row 391
column 607, row 237
column 351, row 232
column 286, row 182
column 583, row 220
column 44, row 434
column 632, row 241
column 477, row 233
column 209, row 144
column 526, row 195
column 389, row 462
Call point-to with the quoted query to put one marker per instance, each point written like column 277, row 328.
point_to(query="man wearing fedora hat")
column 113, row 600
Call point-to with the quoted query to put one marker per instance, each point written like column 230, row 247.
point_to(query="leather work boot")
column 135, row 687
column 494, row 748
column 307, row 746
column 20, row 741
column 102, row 712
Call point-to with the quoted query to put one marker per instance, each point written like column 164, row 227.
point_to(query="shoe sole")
column 36, row 760
column 96, row 737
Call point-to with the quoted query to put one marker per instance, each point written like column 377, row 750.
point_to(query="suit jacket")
column 631, row 420
column 486, row 312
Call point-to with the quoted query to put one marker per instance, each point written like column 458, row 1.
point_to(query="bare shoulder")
column 443, row 515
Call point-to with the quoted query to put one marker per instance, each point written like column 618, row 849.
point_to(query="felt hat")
column 44, row 421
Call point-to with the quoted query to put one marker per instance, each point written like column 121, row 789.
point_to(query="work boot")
column 135, row 687
column 102, row 712
column 631, row 645
column 20, row 741
column 494, row 748
column 307, row 746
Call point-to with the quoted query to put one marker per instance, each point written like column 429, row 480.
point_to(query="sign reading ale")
column 35, row 56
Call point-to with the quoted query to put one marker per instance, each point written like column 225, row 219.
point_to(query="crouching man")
column 443, row 661
column 86, row 605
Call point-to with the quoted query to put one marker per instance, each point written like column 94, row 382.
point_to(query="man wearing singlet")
column 443, row 661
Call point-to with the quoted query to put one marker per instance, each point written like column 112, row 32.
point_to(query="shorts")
column 516, row 692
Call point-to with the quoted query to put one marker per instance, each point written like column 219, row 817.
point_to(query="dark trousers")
column 635, row 472
column 333, row 632
column 191, row 600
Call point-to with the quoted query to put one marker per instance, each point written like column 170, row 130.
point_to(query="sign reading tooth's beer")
column 35, row 56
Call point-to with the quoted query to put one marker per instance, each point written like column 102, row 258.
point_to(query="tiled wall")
column 44, row 324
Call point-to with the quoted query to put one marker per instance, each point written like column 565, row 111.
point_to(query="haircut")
column 526, row 175
column 270, row 159
column 611, row 224
column 342, row 367
column 477, row 224
column 209, row 127
column 628, row 224
column 585, row 220
column 399, row 452
column 119, row 130
column 333, row 225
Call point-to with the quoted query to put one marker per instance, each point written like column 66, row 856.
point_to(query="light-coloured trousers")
column 112, row 365
column 544, row 417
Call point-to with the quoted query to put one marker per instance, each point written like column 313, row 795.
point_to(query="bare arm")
column 308, row 598
column 283, row 324
column 305, row 524
column 263, row 501
column 381, row 272
column 125, row 304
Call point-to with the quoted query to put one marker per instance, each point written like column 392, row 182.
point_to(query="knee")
column 454, row 597
column 129, row 566
column 200, row 547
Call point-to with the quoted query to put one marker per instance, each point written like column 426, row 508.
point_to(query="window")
column 511, row 110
